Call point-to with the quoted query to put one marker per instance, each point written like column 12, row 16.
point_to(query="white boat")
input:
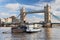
column 33, row 30
column 30, row 28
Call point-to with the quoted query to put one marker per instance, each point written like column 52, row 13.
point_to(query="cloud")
column 34, row 19
column 32, row 7
column 40, row 14
column 12, row 7
column 16, row 6
column 44, row 2
column 5, row 15
column 55, row 20
column 57, row 13
column 55, row 6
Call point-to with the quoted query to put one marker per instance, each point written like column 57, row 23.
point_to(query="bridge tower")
column 22, row 16
column 47, row 15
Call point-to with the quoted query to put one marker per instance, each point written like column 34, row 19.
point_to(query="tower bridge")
column 47, row 16
column 46, row 11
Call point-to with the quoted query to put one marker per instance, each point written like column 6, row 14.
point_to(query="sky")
column 12, row 8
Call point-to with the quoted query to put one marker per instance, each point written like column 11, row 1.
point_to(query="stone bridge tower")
column 47, row 15
column 22, row 16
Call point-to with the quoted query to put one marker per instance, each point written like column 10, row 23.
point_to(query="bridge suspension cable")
column 55, row 16
column 18, row 16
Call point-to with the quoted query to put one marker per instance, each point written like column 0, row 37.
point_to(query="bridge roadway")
column 42, row 23
column 33, row 23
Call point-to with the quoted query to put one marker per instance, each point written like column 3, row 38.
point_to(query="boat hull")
column 33, row 30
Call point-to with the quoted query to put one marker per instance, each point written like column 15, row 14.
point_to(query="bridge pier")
column 48, row 25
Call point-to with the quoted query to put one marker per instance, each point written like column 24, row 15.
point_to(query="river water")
column 45, row 34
